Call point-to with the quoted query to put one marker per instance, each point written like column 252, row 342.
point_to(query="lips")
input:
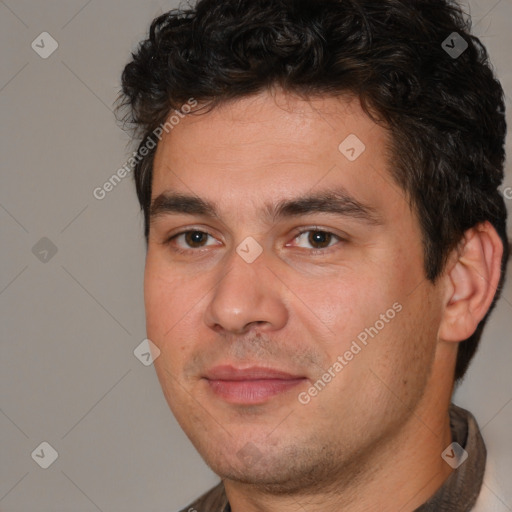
column 253, row 385
column 231, row 373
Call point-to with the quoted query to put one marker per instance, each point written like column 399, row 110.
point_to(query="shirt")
column 458, row 493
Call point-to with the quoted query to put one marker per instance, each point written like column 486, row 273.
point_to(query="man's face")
column 249, row 294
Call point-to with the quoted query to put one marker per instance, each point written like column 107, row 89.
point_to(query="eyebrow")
column 338, row 202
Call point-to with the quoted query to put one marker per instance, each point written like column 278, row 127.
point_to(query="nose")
column 247, row 295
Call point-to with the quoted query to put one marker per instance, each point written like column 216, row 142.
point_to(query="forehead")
column 271, row 145
column 284, row 123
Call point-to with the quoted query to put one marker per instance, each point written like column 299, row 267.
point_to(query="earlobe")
column 472, row 278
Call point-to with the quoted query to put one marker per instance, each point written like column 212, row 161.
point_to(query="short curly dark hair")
column 445, row 111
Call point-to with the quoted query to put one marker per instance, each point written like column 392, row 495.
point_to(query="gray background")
column 70, row 324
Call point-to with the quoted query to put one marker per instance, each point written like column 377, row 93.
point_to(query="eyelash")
column 313, row 252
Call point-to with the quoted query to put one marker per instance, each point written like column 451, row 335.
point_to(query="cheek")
column 403, row 353
column 377, row 310
column 156, row 300
column 169, row 305
column 356, row 301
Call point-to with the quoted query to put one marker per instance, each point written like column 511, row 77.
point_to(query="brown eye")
column 317, row 239
column 190, row 241
column 195, row 238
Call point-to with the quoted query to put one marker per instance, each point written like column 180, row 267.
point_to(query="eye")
column 193, row 239
column 317, row 238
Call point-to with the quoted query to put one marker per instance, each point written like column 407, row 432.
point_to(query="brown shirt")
column 458, row 493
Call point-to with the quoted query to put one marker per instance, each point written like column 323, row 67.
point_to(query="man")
column 325, row 241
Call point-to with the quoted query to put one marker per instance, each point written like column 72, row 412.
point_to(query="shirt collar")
column 461, row 489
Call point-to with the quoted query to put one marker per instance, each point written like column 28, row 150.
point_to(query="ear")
column 472, row 277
